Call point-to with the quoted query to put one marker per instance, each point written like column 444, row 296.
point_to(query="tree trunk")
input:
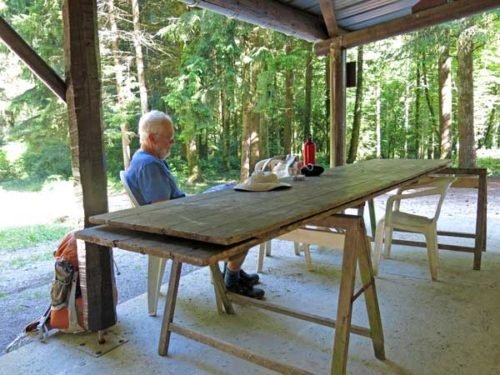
column 119, row 81
column 307, row 96
column 433, row 125
column 378, row 129
column 193, row 161
column 407, row 120
column 327, row 94
column 358, row 109
column 245, row 129
column 225, row 130
column 245, row 144
column 487, row 141
column 287, row 131
column 141, row 79
column 418, row 128
column 445, row 102
column 465, row 103
column 254, row 116
column 264, row 137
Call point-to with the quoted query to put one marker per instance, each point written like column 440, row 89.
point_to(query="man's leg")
column 238, row 281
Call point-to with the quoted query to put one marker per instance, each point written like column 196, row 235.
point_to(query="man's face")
column 164, row 141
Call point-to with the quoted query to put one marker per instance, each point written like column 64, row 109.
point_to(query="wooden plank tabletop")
column 179, row 249
column 229, row 217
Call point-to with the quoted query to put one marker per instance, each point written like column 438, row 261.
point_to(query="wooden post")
column 337, row 104
column 83, row 97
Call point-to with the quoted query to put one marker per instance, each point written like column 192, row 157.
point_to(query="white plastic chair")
column 156, row 265
column 396, row 219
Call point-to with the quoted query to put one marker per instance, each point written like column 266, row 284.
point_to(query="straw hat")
column 261, row 181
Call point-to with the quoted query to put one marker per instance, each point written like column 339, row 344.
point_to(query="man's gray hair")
column 152, row 123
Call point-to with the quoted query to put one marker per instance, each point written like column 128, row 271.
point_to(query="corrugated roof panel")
column 375, row 20
column 309, row 6
column 345, row 9
column 374, row 12
column 358, row 14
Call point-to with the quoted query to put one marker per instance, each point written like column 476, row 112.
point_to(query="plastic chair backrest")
column 127, row 189
column 278, row 164
column 438, row 186
column 442, row 184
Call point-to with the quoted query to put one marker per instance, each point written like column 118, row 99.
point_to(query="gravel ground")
column 26, row 274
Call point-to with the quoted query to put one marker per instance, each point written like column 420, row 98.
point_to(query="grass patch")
column 492, row 164
column 21, row 262
column 2, row 295
column 24, row 185
column 27, row 236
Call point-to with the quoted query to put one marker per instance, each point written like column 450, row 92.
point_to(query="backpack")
column 66, row 308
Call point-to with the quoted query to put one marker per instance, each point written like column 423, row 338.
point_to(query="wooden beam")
column 422, row 19
column 270, row 14
column 34, row 62
column 425, row 4
column 81, row 52
column 337, row 105
column 328, row 12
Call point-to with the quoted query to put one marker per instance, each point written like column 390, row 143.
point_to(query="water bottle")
column 309, row 152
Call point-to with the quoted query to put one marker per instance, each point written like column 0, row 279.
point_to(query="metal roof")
column 358, row 14
column 346, row 22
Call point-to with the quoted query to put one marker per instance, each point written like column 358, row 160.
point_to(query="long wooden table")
column 204, row 229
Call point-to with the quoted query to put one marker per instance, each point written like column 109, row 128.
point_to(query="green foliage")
column 492, row 164
column 22, row 237
column 206, row 70
column 48, row 159
column 6, row 169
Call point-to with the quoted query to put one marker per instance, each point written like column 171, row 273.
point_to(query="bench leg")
column 168, row 315
column 223, row 303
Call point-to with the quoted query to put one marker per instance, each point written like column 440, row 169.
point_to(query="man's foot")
column 246, row 290
column 249, row 278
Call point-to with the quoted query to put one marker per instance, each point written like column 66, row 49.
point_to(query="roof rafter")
column 328, row 12
column 34, row 62
column 418, row 20
column 270, row 14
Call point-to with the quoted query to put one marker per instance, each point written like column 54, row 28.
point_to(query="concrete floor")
column 445, row 327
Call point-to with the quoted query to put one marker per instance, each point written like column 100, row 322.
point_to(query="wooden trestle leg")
column 223, row 303
column 371, row 300
column 356, row 251
column 168, row 315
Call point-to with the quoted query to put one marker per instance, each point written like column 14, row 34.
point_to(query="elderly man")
column 151, row 181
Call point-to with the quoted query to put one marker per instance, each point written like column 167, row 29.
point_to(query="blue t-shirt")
column 150, row 179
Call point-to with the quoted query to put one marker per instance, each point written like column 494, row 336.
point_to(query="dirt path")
column 26, row 274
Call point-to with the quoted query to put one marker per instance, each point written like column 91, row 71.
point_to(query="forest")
column 240, row 93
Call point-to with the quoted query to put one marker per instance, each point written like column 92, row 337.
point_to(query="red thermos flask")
column 309, row 152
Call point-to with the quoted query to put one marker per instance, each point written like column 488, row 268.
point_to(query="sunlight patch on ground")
column 55, row 203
